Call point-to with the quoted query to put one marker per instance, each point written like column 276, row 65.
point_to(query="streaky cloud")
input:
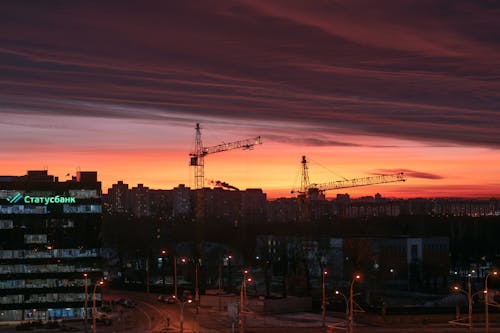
column 409, row 173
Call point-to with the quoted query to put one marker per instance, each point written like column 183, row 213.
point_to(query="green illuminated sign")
column 56, row 199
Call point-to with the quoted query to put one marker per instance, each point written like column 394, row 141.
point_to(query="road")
column 150, row 316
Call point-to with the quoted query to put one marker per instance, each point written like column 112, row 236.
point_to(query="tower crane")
column 197, row 156
column 311, row 192
column 306, row 188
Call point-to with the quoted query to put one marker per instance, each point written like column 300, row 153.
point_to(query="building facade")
column 49, row 245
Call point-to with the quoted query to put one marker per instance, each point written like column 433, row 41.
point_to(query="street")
column 151, row 316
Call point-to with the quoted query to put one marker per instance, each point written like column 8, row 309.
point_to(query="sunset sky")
column 360, row 87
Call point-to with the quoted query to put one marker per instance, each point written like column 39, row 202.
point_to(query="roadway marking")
column 147, row 316
column 157, row 310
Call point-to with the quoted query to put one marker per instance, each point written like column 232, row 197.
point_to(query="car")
column 129, row 303
column 103, row 318
column 169, row 299
column 118, row 301
column 187, row 295
column 126, row 302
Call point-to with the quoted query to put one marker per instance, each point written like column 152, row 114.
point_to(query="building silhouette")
column 49, row 237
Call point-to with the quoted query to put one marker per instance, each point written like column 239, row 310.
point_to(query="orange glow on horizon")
column 273, row 169
column 432, row 171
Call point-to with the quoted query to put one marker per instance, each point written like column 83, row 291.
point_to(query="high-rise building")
column 140, row 205
column 49, row 245
column 253, row 206
column 181, row 201
column 118, row 197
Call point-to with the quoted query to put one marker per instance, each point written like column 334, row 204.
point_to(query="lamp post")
column 337, row 292
column 94, row 311
column 175, row 276
column 85, row 303
column 324, row 274
column 196, row 288
column 469, row 301
column 229, row 282
column 351, row 303
column 181, row 316
column 469, row 298
column 393, row 272
column 164, row 253
column 487, row 299
column 243, row 296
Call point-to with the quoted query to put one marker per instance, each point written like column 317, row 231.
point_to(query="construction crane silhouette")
column 197, row 156
column 223, row 184
column 306, row 187
column 314, row 191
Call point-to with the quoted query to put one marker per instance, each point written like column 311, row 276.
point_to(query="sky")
column 360, row 87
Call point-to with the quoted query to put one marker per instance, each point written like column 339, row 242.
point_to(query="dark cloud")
column 308, row 141
column 409, row 173
column 421, row 70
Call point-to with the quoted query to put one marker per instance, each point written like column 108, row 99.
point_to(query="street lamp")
column 469, row 301
column 196, row 288
column 85, row 304
column 337, row 292
column 324, row 274
column 393, row 273
column 229, row 259
column 243, row 297
column 351, row 303
column 181, row 307
column 94, row 311
column 164, row 253
column 487, row 299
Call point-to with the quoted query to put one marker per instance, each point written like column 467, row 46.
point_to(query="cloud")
column 419, row 70
column 308, row 141
column 409, row 173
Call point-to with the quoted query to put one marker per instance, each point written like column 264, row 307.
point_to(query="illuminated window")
column 6, row 224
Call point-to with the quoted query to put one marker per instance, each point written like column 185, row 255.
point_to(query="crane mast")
column 197, row 156
column 304, row 180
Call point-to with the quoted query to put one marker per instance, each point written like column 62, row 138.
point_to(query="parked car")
column 126, row 302
column 103, row 318
column 187, row 295
column 169, row 299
